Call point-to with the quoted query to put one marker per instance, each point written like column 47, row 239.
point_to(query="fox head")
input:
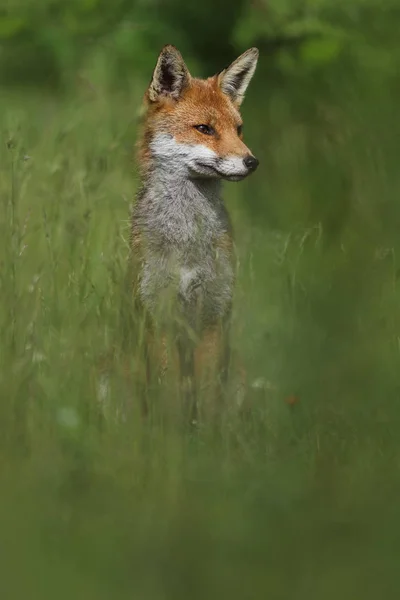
column 193, row 126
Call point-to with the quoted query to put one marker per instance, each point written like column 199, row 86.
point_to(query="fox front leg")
column 187, row 378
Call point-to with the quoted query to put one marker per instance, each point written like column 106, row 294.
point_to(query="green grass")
column 290, row 502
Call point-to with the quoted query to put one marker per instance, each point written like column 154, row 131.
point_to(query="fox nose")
column 251, row 162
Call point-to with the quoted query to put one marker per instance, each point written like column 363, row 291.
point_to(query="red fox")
column 181, row 235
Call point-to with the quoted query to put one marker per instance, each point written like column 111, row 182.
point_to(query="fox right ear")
column 170, row 76
column 235, row 79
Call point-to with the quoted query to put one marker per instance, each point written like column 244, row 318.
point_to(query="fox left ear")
column 235, row 79
column 170, row 75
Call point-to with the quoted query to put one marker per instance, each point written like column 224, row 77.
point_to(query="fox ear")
column 235, row 79
column 170, row 75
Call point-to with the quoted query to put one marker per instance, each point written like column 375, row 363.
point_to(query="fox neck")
column 180, row 214
column 164, row 183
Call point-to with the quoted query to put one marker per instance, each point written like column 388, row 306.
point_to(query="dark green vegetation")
column 297, row 501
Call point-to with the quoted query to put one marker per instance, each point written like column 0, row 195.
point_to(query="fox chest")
column 187, row 257
column 194, row 279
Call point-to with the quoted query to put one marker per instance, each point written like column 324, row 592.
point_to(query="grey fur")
column 184, row 274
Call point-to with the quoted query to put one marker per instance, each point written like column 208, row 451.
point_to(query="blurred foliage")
column 45, row 43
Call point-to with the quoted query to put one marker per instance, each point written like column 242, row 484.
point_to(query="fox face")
column 193, row 127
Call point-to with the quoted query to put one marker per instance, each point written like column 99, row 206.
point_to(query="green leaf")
column 10, row 26
column 320, row 51
column 87, row 5
column 311, row 26
column 250, row 28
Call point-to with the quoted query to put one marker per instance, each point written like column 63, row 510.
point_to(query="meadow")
column 299, row 497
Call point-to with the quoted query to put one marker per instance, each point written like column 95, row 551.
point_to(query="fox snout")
column 251, row 162
column 235, row 168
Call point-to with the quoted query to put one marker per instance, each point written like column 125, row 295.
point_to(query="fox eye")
column 206, row 129
column 239, row 129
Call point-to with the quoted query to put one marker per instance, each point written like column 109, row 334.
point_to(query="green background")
column 296, row 500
